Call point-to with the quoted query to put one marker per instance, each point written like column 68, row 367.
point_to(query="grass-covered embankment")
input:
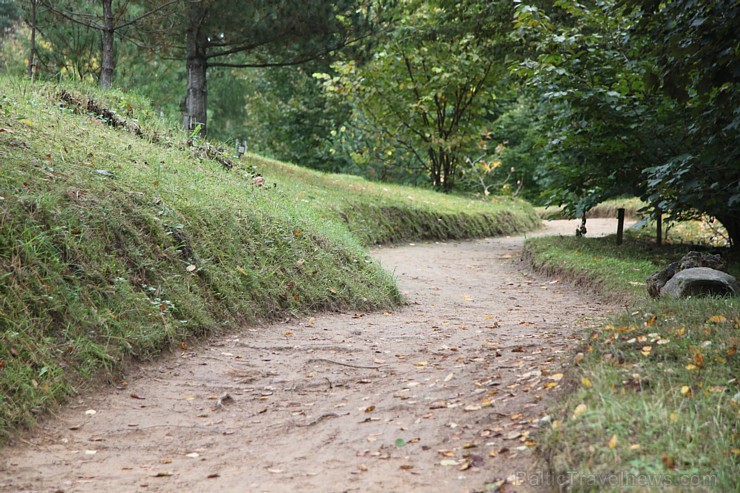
column 382, row 213
column 118, row 240
column 653, row 405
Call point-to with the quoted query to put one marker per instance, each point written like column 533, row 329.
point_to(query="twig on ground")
column 316, row 360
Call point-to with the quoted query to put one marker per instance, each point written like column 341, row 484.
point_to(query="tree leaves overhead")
column 643, row 100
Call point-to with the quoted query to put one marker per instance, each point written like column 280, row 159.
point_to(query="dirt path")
column 437, row 396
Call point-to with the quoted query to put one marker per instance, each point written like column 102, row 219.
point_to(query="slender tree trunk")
column 109, row 57
column 197, row 65
column 32, row 50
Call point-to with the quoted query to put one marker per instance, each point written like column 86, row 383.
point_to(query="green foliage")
column 419, row 102
column 658, row 383
column 614, row 132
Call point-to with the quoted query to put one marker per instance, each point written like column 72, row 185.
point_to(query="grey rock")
column 691, row 260
column 656, row 281
column 700, row 281
column 702, row 259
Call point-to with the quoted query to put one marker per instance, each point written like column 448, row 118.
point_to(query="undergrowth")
column 654, row 402
column 120, row 237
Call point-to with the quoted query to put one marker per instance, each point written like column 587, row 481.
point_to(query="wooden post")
column 659, row 227
column 620, row 225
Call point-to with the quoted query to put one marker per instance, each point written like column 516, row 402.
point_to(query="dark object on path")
column 716, row 282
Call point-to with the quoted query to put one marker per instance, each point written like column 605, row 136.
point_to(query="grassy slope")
column 658, row 382
column 385, row 213
column 115, row 246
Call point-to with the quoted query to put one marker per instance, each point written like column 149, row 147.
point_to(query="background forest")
column 555, row 101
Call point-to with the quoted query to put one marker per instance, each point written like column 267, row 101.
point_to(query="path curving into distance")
column 441, row 395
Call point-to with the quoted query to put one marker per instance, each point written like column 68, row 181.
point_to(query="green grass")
column 118, row 243
column 383, row 213
column 658, row 382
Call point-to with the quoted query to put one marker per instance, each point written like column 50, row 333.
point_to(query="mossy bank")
column 119, row 238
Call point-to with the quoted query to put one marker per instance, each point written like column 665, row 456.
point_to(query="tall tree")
column 260, row 33
column 109, row 18
column 643, row 98
column 422, row 97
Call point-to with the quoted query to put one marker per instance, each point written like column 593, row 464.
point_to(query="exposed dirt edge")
column 579, row 280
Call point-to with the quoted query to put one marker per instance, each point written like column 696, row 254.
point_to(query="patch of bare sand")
column 441, row 395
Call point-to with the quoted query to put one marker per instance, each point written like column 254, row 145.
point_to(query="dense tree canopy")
column 634, row 116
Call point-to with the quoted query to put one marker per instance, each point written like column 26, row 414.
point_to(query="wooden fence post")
column 620, row 225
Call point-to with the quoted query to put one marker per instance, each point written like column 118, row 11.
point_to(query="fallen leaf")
column 586, row 382
column 406, row 467
column 650, row 321
column 717, row 319
column 550, row 385
column 686, row 391
column 473, row 407
column 369, row 409
column 580, row 409
column 613, row 441
column 192, row 268
column 673, row 416
column 163, row 474
column 667, row 462
column 213, row 475
column 448, row 462
column 421, row 363
column 698, row 358
column 275, row 471
column 400, row 442
column 557, row 377
column 449, row 377
column 690, row 367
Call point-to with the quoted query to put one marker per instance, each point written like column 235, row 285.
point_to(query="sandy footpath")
column 443, row 394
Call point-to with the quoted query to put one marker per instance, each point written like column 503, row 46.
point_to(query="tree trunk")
column 109, row 60
column 435, row 169
column 197, row 64
column 731, row 222
column 32, row 51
